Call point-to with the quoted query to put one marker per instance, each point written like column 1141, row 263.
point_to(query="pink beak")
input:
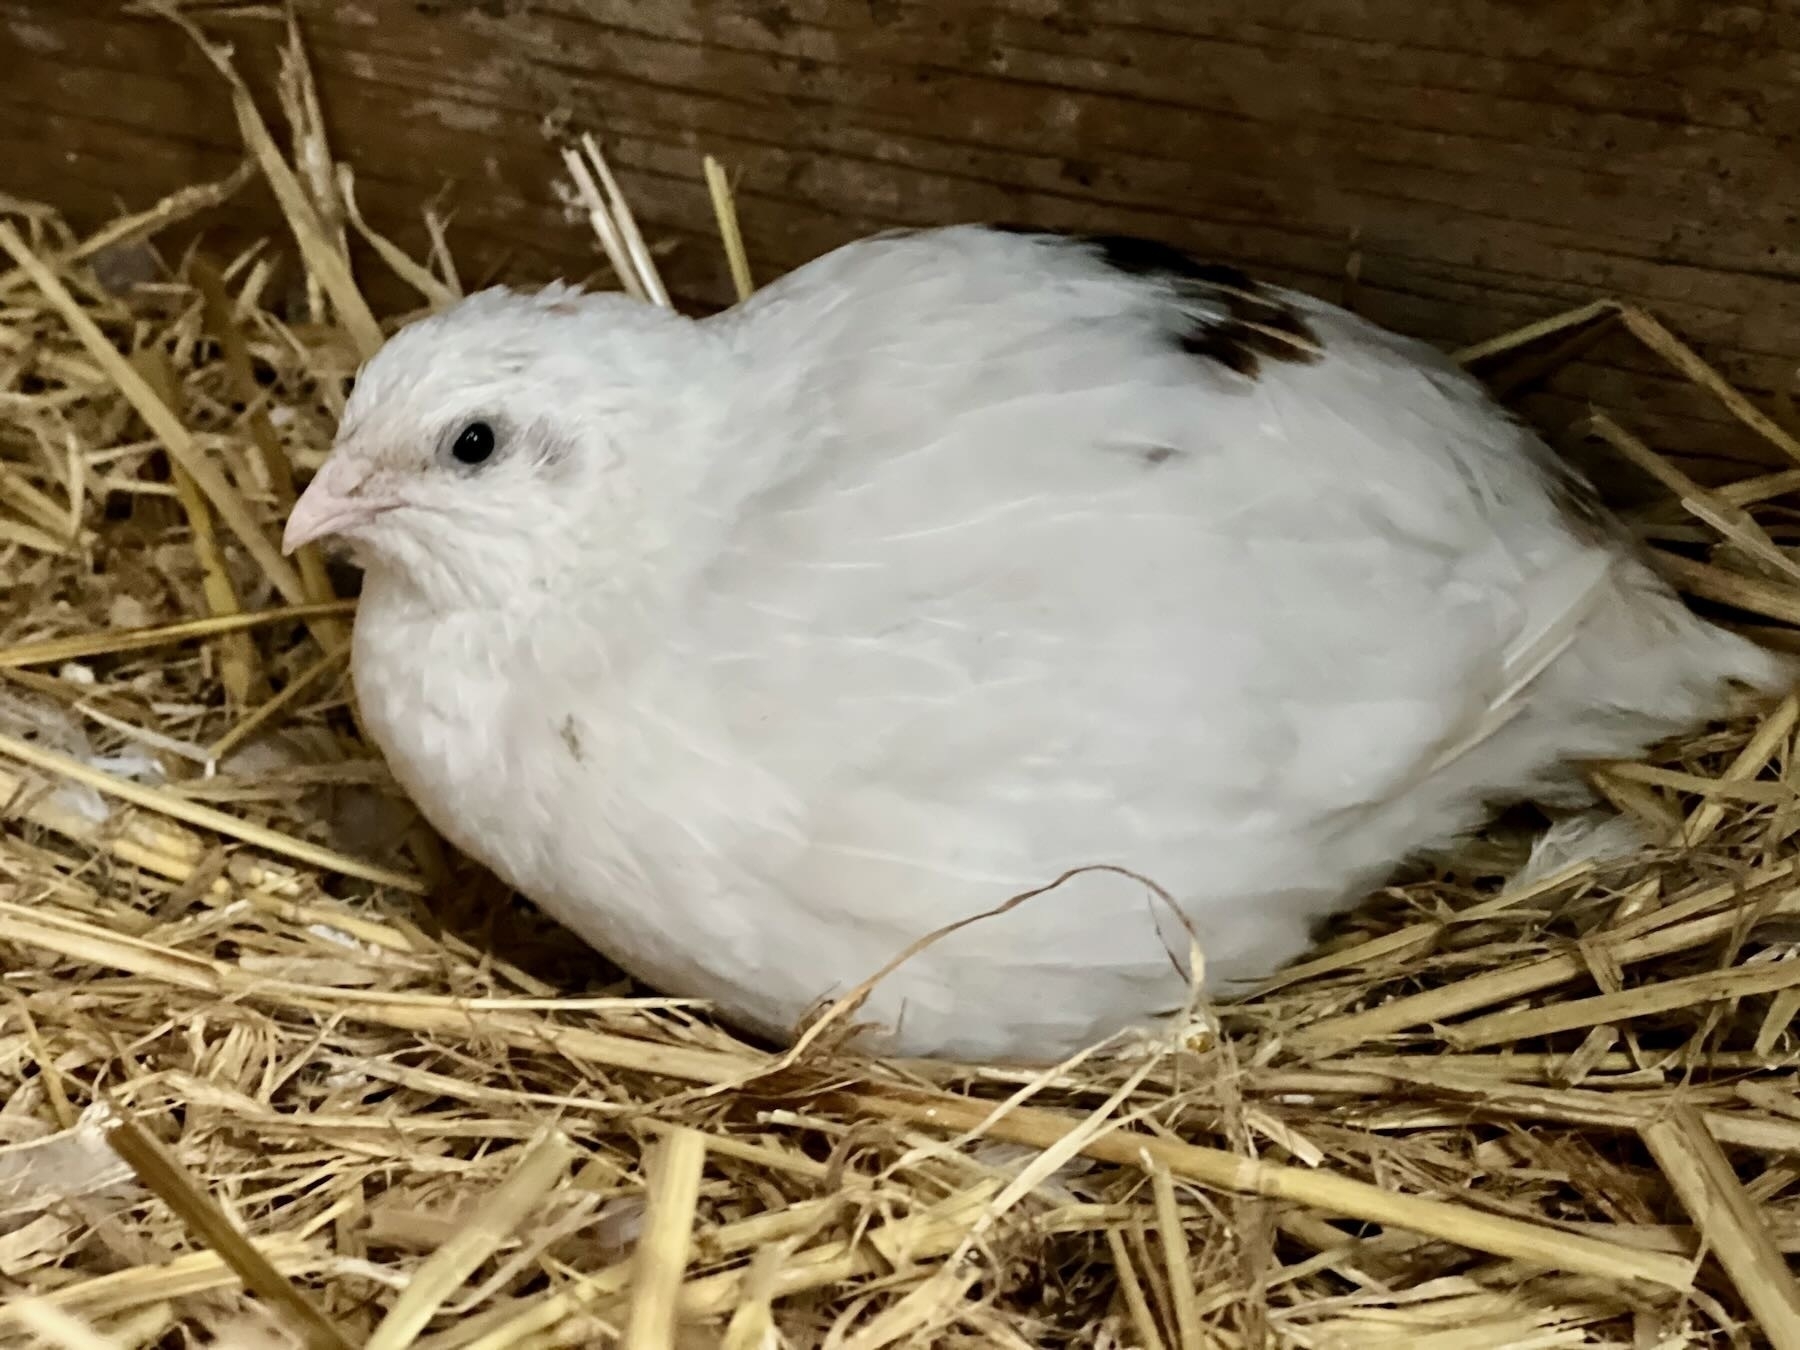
column 333, row 502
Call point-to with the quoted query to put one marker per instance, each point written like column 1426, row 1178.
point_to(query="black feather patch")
column 1255, row 325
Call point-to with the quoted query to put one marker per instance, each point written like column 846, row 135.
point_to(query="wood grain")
column 1449, row 169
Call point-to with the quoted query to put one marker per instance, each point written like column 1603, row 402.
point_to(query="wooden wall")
column 1451, row 168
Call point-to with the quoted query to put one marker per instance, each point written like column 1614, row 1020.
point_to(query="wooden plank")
column 1480, row 162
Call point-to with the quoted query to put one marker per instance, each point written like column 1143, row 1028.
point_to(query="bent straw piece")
column 421, row 278
column 206, row 818
column 1703, row 1179
column 163, row 424
column 57, row 650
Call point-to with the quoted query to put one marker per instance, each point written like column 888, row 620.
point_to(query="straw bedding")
column 259, row 1091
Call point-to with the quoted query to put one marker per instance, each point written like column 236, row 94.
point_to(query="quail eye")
column 474, row 444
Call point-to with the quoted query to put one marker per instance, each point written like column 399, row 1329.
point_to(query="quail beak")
column 334, row 502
